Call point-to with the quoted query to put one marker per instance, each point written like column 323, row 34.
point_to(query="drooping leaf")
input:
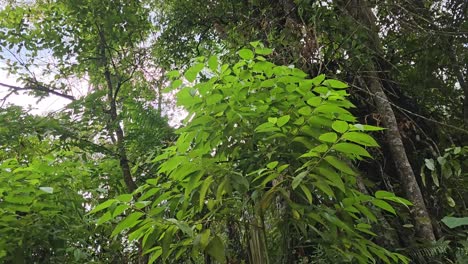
column 383, row 205
column 129, row 222
column 216, row 249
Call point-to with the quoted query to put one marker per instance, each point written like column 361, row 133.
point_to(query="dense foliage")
column 276, row 161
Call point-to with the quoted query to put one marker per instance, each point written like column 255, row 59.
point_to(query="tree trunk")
column 360, row 11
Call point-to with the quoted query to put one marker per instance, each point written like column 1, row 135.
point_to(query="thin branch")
column 38, row 87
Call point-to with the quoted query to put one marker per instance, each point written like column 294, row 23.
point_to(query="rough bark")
column 360, row 11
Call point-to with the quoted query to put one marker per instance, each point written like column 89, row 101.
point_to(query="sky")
column 49, row 104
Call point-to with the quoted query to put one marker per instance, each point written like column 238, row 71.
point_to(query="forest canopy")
column 289, row 131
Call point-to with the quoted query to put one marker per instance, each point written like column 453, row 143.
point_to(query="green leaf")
column 246, row 54
column 318, row 80
column 305, row 110
column 325, row 188
column 383, row 205
column 216, row 249
column 340, row 165
column 362, row 127
column 352, row 149
column 314, row 101
column 340, row 126
column 213, row 63
column 192, row 72
column 283, row 120
column 124, row 198
column 263, row 51
column 173, row 74
column 266, row 127
column 272, row 120
column 331, row 137
column 298, row 179
column 105, row 218
column 155, row 255
column 335, row 84
column 453, row 222
column 430, row 164
column 204, row 188
column 255, row 43
column 360, row 138
column 383, row 194
column 129, row 222
column 272, row 165
column 182, row 226
column 47, row 189
column 307, row 192
column 103, row 206
column 119, row 209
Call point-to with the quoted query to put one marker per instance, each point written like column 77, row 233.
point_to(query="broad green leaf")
column 214, row 99
column 307, row 192
column 298, row 179
column 318, row 80
column 119, row 209
column 105, row 218
column 430, row 164
column 331, row 137
column 335, row 84
column 142, row 204
column 204, row 188
column 314, row 101
column 182, row 226
column 453, row 222
column 283, row 120
column 213, row 63
column 366, row 212
column 305, row 110
column 246, row 54
column 340, row 165
column 173, row 74
column 255, row 43
column 176, row 83
column 333, row 177
column 124, row 198
column 272, row 165
column 325, row 188
column 216, row 249
column 352, row 149
column 155, row 255
column 129, row 222
column 192, row 72
column 263, row 51
column 202, row 239
column 383, row 194
column 340, row 126
column 103, row 206
column 272, row 120
column 267, row 127
column 383, row 205
column 360, row 138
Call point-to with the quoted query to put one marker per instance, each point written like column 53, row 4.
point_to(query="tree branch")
column 38, row 87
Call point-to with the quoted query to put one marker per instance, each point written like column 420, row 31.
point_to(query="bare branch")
column 38, row 87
